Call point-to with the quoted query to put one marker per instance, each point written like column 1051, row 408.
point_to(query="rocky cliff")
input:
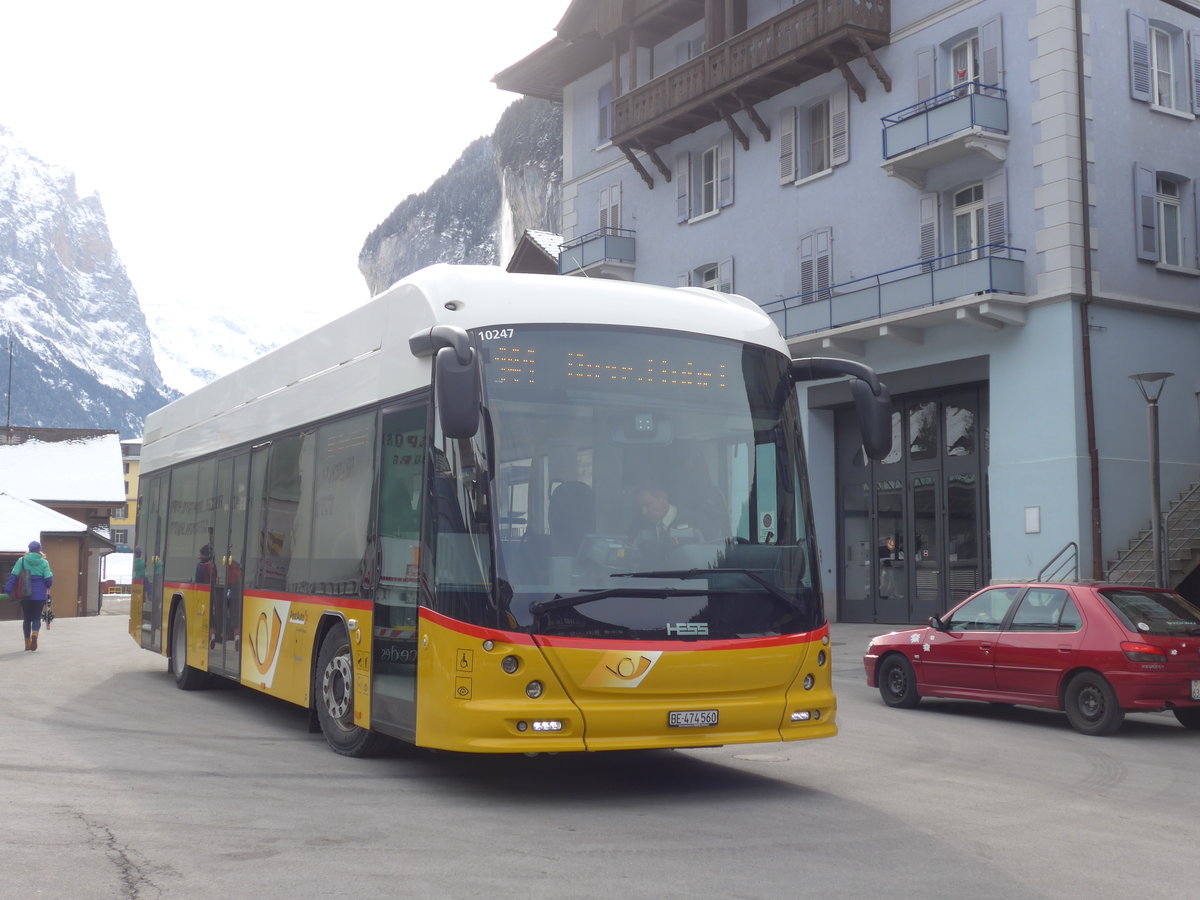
column 81, row 352
column 500, row 186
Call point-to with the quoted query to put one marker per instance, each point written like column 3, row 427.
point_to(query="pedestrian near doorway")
column 40, row 580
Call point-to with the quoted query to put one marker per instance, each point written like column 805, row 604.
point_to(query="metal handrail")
column 879, row 279
column 955, row 93
column 1068, row 556
column 1145, row 541
column 606, row 231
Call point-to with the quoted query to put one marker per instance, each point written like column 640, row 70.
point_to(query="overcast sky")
column 244, row 149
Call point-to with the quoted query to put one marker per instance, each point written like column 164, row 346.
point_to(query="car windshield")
column 1163, row 613
column 647, row 485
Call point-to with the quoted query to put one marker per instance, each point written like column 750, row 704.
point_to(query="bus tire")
column 186, row 677
column 334, row 698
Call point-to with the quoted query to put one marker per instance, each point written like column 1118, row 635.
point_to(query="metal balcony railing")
column 967, row 106
column 991, row 269
column 604, row 245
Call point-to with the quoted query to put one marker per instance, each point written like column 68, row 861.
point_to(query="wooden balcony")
column 804, row 41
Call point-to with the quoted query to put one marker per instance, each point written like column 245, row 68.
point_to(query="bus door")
column 398, row 563
column 229, row 548
column 149, row 564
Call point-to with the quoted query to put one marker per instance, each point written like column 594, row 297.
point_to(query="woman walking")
column 40, row 580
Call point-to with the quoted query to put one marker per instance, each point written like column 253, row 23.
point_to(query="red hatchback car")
column 1094, row 650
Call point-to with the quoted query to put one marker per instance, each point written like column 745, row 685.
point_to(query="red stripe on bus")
column 513, row 637
column 475, row 631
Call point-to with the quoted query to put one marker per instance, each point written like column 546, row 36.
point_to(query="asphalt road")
column 117, row 785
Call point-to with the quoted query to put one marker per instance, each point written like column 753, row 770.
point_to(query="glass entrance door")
column 926, row 506
column 229, row 548
column 399, row 564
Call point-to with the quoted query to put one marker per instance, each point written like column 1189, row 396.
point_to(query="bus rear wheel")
column 186, row 677
column 335, row 698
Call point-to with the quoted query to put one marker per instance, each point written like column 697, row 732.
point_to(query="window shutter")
column 614, row 209
column 1144, row 211
column 926, row 85
column 927, row 210
column 725, row 171
column 824, row 262
column 684, row 279
column 1196, row 210
column 725, row 276
column 995, row 205
column 683, row 52
column 787, row 145
column 1139, row 57
column 808, row 266
column 816, row 264
column 604, row 207
column 1194, row 51
column 683, row 184
column 839, row 127
column 991, row 59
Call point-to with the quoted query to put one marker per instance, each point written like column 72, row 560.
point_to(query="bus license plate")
column 692, row 718
column 1196, row 688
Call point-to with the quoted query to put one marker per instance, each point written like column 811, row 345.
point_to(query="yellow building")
column 124, row 517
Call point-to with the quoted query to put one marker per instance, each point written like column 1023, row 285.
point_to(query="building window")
column 1166, row 218
column 1162, row 68
column 969, row 225
column 119, row 512
column 704, row 181
column 1167, row 207
column 972, row 57
column 604, row 113
column 815, row 138
column 964, row 62
column 716, row 276
column 120, row 536
column 709, row 164
column 1162, row 59
column 610, row 206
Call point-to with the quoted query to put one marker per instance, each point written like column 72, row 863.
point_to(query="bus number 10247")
column 497, row 334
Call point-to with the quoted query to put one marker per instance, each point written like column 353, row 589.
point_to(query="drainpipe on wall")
column 1085, row 343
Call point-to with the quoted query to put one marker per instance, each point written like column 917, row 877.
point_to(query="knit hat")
column 34, row 546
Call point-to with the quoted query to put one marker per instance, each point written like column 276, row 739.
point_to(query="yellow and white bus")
column 503, row 513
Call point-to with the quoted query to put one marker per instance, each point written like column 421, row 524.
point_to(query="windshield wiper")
column 564, row 601
column 772, row 589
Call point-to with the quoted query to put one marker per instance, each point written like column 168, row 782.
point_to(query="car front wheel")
column 1091, row 705
column 898, row 683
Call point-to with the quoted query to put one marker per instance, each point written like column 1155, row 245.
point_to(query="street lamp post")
column 1151, row 386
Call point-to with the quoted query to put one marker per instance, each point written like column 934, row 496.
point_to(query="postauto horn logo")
column 622, row 668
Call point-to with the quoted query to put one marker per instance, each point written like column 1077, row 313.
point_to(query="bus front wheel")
column 335, row 698
column 187, row 678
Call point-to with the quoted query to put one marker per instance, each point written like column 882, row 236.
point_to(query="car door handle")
column 1065, row 648
column 986, row 648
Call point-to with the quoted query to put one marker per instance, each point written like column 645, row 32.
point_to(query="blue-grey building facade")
column 912, row 184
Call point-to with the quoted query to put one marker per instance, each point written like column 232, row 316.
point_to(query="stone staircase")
column 1181, row 538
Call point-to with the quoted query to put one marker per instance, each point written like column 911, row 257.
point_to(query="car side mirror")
column 936, row 623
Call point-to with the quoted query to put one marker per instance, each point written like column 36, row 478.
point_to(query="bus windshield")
column 646, row 485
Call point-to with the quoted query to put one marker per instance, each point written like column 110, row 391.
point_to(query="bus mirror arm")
column 430, row 340
column 872, row 399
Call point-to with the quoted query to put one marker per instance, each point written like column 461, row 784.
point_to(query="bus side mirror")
column 872, row 400
column 457, row 386
column 455, row 377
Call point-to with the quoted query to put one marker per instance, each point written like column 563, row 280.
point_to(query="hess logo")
column 622, row 668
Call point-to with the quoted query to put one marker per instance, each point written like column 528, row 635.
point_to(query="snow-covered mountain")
column 84, row 352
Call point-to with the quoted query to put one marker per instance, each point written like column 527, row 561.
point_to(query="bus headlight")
column 809, row 681
column 533, row 690
column 510, row 664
